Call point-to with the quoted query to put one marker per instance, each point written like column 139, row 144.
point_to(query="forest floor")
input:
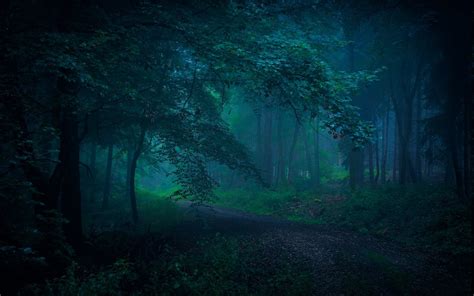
column 338, row 259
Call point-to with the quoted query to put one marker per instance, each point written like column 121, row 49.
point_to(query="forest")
column 235, row 147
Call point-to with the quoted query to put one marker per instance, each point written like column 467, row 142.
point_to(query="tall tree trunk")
column 371, row 164
column 133, row 169
column 128, row 176
column 448, row 170
column 291, row 155
column 403, row 106
column 352, row 173
column 259, row 145
column 458, row 175
column 418, row 149
column 383, row 176
column 92, row 164
column 468, row 121
column 377, row 159
column 403, row 158
column 70, row 198
column 356, row 167
column 108, row 177
column 356, row 159
column 395, row 153
column 280, row 176
column 267, row 145
column 67, row 174
column 309, row 160
column 317, row 170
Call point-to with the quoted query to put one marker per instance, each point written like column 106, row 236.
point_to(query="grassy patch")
column 157, row 213
column 425, row 216
column 282, row 202
column 394, row 279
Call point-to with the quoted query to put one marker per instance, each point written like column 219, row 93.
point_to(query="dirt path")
column 342, row 262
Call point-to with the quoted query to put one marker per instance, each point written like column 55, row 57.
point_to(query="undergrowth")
column 423, row 216
column 216, row 266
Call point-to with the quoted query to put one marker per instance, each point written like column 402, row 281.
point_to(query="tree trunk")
column 317, row 171
column 67, row 174
column 309, row 160
column 258, row 148
column 291, row 155
column 356, row 160
column 371, row 163
column 395, row 153
column 403, row 158
column 458, row 175
column 92, row 161
column 383, row 176
column 70, row 198
column 128, row 176
column 418, row 149
column 403, row 107
column 356, row 168
column 108, row 177
column 468, row 121
column 377, row 161
column 267, row 146
column 133, row 168
column 280, row 176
